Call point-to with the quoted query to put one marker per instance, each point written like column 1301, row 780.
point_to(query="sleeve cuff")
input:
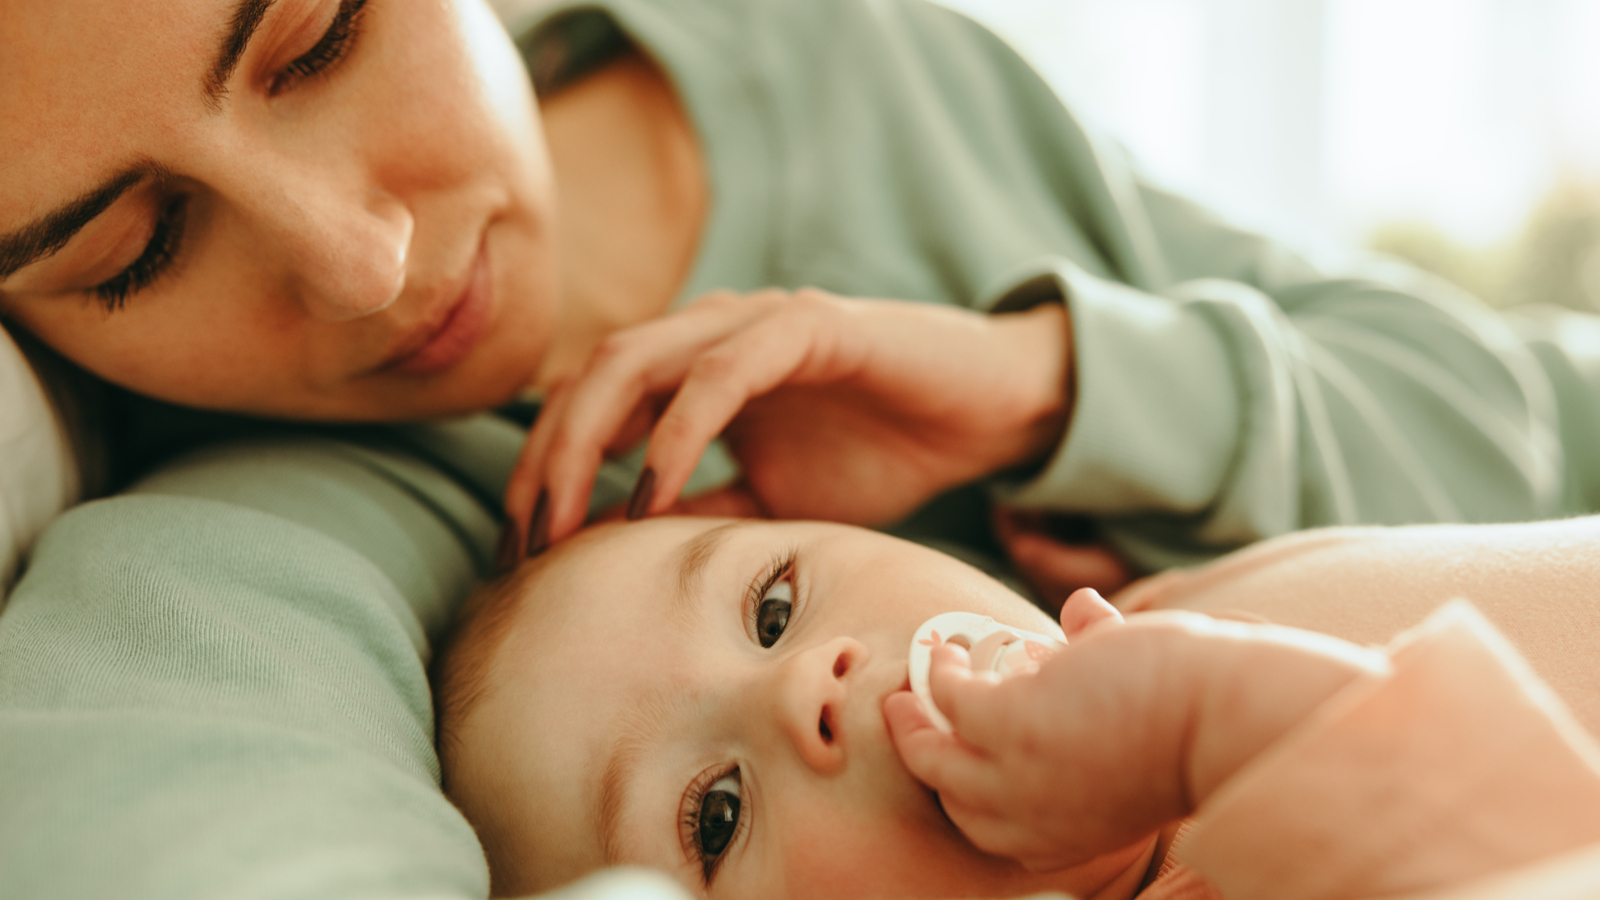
column 1156, row 417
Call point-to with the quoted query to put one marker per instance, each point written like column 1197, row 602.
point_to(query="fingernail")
column 539, row 528
column 506, row 553
column 643, row 493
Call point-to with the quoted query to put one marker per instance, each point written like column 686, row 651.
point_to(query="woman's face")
column 305, row 208
column 705, row 697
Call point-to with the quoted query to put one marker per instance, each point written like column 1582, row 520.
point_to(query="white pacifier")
column 992, row 646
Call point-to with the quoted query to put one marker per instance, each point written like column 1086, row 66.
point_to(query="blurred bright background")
column 1461, row 134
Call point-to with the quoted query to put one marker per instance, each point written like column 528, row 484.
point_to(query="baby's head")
column 704, row 696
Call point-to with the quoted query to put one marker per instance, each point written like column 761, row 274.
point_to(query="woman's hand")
column 1057, row 554
column 1128, row 728
column 849, row 410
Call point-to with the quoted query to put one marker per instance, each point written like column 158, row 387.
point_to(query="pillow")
column 213, row 683
column 38, row 472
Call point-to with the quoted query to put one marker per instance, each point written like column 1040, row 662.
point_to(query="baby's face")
column 705, row 696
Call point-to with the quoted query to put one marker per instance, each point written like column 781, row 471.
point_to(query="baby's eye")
column 718, row 820
column 772, row 613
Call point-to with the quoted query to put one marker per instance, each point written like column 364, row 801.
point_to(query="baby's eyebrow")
column 643, row 726
column 641, row 731
column 693, row 558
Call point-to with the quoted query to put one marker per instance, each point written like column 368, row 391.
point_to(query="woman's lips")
column 448, row 342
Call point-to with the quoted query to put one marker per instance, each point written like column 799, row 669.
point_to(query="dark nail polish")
column 539, row 528
column 643, row 492
column 506, row 553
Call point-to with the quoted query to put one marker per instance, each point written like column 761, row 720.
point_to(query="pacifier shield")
column 992, row 646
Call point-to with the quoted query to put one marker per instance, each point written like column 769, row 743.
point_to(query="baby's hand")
column 1055, row 766
column 1126, row 729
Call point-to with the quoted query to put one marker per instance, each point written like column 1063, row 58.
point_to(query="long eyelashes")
column 759, row 620
column 155, row 259
column 708, row 831
column 714, row 811
column 162, row 249
column 333, row 47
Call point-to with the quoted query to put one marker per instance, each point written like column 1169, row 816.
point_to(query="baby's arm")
column 1130, row 727
column 1442, row 760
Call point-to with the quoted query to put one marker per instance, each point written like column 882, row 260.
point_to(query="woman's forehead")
column 90, row 89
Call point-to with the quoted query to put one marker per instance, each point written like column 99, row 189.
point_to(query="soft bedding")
column 188, row 716
column 38, row 475
column 230, row 699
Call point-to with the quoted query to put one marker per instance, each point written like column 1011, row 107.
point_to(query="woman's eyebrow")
column 49, row 233
column 247, row 16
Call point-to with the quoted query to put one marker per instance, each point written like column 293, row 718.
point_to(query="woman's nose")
column 337, row 239
column 351, row 257
column 813, row 693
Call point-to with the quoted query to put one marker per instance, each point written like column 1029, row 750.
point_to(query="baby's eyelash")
column 689, row 816
column 330, row 50
column 782, row 564
column 153, row 262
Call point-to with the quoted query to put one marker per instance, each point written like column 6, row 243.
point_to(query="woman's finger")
column 614, row 391
column 795, row 344
column 527, row 480
column 1055, row 569
column 734, row 502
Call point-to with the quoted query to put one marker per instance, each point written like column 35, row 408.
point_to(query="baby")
column 726, row 700
column 705, row 696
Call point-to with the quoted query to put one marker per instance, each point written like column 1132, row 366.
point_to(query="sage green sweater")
column 1226, row 389
column 213, row 684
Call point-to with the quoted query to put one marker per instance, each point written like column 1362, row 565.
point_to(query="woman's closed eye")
column 167, row 237
column 156, row 257
column 331, row 49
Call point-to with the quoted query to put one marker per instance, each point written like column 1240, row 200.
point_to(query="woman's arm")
column 1222, row 389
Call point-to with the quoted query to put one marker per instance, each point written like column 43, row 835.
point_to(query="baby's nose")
column 815, row 694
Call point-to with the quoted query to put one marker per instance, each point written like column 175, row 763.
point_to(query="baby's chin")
column 920, row 853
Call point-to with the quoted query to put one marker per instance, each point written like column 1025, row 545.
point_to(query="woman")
column 351, row 210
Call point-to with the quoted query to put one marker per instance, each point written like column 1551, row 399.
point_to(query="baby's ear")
column 1086, row 608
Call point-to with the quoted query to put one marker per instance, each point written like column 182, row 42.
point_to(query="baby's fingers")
column 971, row 702
column 1001, row 833
column 957, row 771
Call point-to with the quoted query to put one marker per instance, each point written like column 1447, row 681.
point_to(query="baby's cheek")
column 850, row 855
